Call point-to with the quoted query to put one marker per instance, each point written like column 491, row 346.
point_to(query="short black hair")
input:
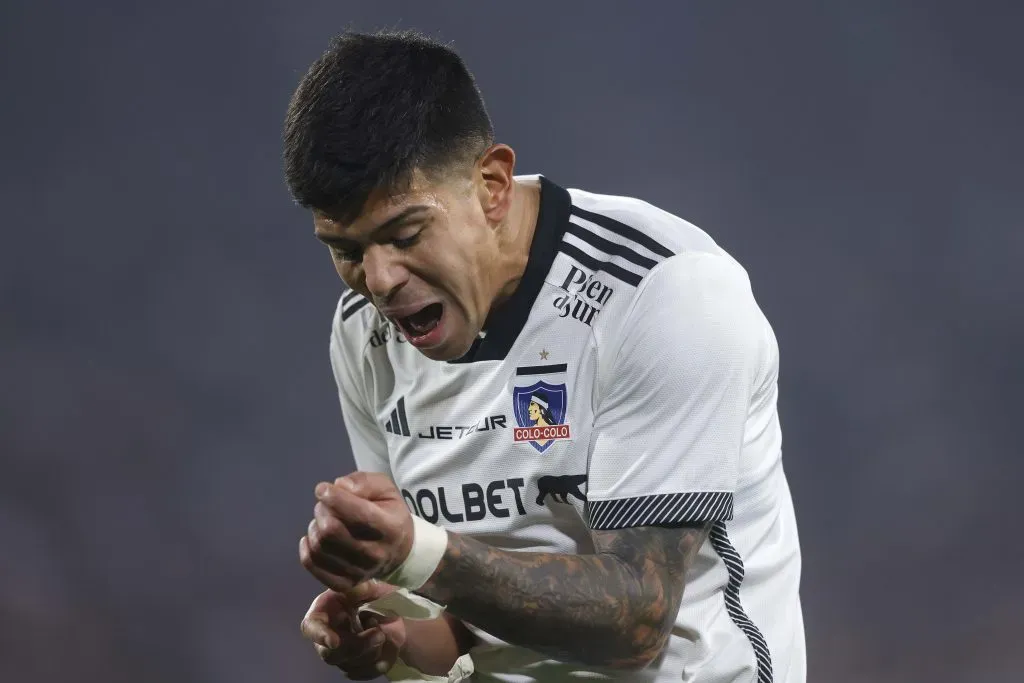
column 374, row 108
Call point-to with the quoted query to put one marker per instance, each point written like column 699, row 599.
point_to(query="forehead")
column 385, row 205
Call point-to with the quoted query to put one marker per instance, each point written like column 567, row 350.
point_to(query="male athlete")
column 562, row 408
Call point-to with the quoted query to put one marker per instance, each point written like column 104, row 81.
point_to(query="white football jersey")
column 631, row 380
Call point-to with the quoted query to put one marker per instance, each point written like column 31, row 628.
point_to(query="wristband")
column 429, row 542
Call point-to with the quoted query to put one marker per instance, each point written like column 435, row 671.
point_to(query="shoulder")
column 654, row 258
column 649, row 230
column 353, row 326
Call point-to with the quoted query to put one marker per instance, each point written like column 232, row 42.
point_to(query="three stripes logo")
column 399, row 423
column 600, row 243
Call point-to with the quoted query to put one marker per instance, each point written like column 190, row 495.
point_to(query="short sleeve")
column 368, row 446
column 675, row 397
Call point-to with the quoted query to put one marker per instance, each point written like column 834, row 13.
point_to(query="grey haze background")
column 168, row 405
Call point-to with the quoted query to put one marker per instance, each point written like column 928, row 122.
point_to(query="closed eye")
column 347, row 254
column 406, row 242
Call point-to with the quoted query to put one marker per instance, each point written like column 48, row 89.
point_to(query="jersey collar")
column 508, row 321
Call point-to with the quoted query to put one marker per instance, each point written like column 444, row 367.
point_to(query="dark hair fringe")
column 371, row 110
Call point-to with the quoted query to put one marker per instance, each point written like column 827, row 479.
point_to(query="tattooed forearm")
column 614, row 608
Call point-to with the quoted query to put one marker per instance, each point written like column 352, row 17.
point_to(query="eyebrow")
column 402, row 217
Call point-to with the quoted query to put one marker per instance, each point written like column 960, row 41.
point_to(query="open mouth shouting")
column 421, row 325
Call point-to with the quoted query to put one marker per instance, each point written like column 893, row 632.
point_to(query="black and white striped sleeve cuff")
column 659, row 509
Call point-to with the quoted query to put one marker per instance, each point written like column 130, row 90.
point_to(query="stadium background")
column 167, row 404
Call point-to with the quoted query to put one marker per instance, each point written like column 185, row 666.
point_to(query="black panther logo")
column 561, row 487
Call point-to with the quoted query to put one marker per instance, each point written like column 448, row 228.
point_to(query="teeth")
column 418, row 329
column 421, row 322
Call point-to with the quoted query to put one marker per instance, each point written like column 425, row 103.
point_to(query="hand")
column 363, row 651
column 361, row 530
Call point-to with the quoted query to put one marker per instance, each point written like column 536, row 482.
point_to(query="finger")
column 316, row 629
column 369, row 485
column 363, row 664
column 387, row 657
column 338, row 539
column 332, row 655
column 333, row 554
column 359, row 514
column 330, row 537
column 377, row 620
column 364, row 648
column 331, row 606
column 356, row 651
column 369, row 590
column 337, row 582
column 393, row 627
column 383, row 662
column 329, row 615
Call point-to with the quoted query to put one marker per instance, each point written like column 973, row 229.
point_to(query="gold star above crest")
column 543, row 355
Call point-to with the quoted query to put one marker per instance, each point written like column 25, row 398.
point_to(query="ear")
column 497, row 172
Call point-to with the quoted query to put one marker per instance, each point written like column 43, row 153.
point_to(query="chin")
column 439, row 354
column 447, row 351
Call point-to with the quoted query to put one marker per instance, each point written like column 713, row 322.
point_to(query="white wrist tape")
column 428, row 545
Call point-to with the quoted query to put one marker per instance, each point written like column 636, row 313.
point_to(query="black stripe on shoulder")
column 348, row 296
column 610, row 248
column 351, row 309
column 595, row 265
column 623, row 230
column 661, row 508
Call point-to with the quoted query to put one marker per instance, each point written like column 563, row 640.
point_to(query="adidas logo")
column 398, row 424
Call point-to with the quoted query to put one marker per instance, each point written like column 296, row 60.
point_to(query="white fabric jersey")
column 630, row 381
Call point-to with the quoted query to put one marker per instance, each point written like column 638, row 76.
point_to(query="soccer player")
column 561, row 405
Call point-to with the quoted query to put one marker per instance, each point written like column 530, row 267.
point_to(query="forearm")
column 594, row 609
column 433, row 645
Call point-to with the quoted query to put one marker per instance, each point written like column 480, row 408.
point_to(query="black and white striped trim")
column 662, row 508
column 604, row 244
column 623, row 230
column 351, row 303
column 734, row 565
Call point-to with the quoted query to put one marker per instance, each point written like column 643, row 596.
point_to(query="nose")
column 383, row 274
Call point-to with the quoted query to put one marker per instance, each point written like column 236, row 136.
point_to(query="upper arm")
column 657, row 559
column 665, row 551
column 669, row 426
column 675, row 396
column 369, row 448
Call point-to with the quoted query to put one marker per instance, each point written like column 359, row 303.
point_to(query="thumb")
column 327, row 606
column 368, row 591
column 368, row 485
column 389, row 623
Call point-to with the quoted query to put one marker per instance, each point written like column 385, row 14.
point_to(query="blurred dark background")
column 167, row 402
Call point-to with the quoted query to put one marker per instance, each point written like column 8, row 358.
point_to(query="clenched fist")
column 361, row 530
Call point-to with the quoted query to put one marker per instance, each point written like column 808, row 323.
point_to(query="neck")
column 518, row 237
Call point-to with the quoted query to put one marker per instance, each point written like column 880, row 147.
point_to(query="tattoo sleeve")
column 614, row 608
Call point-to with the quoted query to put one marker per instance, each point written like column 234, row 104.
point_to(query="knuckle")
column 306, row 558
column 356, row 477
column 329, row 527
column 375, row 554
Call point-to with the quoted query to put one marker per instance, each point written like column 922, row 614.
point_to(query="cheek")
column 348, row 274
